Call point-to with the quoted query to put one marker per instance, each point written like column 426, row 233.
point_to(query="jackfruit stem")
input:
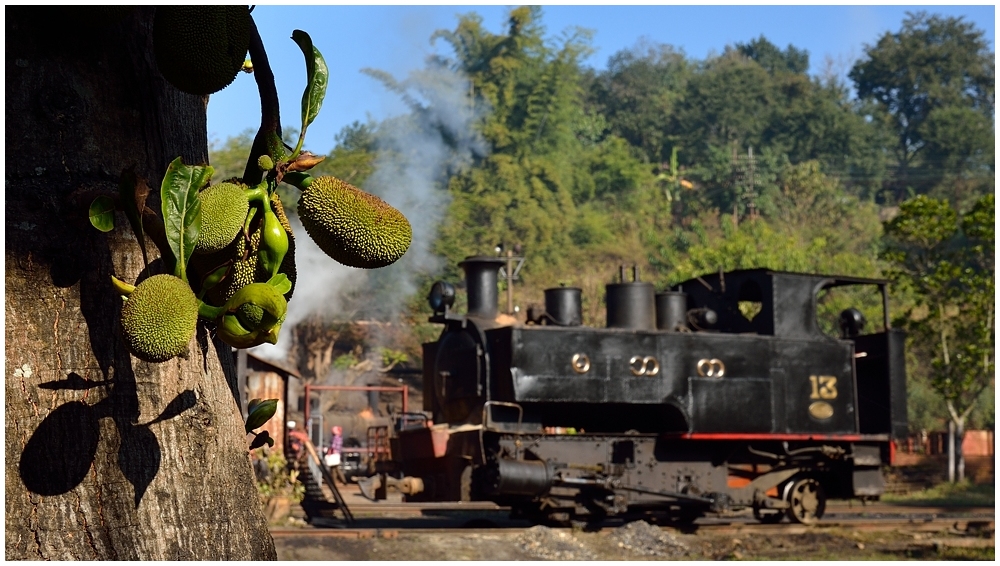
column 298, row 180
column 209, row 312
column 258, row 194
column 213, row 278
column 121, row 286
column 298, row 146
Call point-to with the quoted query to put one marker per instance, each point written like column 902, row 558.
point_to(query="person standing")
column 333, row 452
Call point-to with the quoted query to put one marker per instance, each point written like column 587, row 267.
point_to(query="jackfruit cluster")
column 201, row 49
column 247, row 267
column 224, row 210
column 351, row 226
column 159, row 318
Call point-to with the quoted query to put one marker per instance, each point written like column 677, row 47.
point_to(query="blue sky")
column 396, row 39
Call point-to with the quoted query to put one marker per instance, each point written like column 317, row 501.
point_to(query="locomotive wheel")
column 768, row 516
column 806, row 501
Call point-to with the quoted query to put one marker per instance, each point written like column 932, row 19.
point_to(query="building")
column 260, row 378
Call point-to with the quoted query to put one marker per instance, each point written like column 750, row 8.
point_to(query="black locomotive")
column 683, row 405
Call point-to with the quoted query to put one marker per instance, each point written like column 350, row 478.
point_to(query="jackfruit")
column 159, row 318
column 224, row 210
column 351, row 226
column 201, row 49
column 259, row 312
column 249, row 315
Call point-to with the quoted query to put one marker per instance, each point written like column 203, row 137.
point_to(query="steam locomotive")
column 687, row 403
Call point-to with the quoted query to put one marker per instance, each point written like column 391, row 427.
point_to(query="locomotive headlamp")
column 442, row 296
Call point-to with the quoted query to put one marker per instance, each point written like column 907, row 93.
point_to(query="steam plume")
column 417, row 153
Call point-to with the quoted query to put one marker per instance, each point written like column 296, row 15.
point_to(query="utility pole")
column 509, row 272
column 745, row 181
column 510, row 282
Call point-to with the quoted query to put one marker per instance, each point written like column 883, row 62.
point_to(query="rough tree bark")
column 107, row 457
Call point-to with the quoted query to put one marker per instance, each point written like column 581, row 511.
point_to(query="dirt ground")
column 640, row 541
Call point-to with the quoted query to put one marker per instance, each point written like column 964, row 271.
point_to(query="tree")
column 107, row 457
column 767, row 55
column 638, row 94
column 353, row 156
column 934, row 81
column 947, row 260
column 229, row 157
column 730, row 101
column 521, row 190
column 811, row 226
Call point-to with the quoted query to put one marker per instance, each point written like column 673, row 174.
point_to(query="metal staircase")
column 314, row 474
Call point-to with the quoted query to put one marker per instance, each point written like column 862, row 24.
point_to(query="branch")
column 270, row 124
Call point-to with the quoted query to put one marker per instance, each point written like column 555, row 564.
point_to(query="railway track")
column 395, row 520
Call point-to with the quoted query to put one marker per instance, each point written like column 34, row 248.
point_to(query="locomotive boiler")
column 687, row 402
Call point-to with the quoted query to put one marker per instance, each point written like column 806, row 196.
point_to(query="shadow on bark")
column 60, row 452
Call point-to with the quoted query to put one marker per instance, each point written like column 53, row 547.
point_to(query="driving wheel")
column 806, row 501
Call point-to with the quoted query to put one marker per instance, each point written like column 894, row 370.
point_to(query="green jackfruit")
column 201, row 49
column 351, row 226
column 247, row 267
column 159, row 318
column 224, row 210
column 249, row 315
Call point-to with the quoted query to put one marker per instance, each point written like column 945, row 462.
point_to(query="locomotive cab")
column 746, row 389
column 788, row 306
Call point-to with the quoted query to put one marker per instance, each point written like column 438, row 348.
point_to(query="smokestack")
column 481, row 284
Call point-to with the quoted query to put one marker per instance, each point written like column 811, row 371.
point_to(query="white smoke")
column 417, row 154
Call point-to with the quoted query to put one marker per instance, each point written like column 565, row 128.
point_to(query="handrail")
column 517, row 432
column 329, row 480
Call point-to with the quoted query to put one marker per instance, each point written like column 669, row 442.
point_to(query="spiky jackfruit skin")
column 250, row 315
column 201, row 49
column 351, row 226
column 244, row 270
column 224, row 210
column 159, row 318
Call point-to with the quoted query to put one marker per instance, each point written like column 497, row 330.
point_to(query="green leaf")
column 253, row 404
column 102, row 213
column 280, row 283
column 260, row 414
column 182, row 210
column 317, row 76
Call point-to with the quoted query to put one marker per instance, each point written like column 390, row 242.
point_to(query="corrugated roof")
column 280, row 367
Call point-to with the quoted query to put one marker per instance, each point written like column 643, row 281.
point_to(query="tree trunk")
column 959, row 456
column 107, row 457
column 951, row 451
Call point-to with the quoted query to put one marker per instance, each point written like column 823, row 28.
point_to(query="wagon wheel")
column 768, row 516
column 806, row 501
